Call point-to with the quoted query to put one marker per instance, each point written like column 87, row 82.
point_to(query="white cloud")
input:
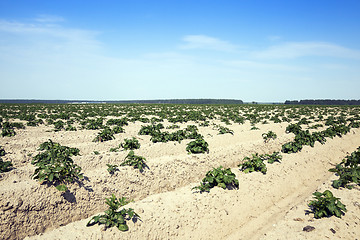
column 274, row 38
column 301, row 49
column 44, row 30
column 44, row 18
column 206, row 42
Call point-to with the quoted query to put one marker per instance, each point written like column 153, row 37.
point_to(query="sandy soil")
column 270, row 206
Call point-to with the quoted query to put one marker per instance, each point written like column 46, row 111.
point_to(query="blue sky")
column 270, row 50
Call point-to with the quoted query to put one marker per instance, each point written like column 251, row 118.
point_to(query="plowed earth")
column 270, row 206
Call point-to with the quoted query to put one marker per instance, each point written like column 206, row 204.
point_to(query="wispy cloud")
column 44, row 18
column 301, row 49
column 274, row 38
column 206, row 42
column 46, row 33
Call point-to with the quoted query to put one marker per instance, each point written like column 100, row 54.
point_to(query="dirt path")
column 262, row 203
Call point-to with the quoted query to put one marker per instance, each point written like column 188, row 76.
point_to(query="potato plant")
column 2, row 151
column 54, row 165
column 198, row 146
column 7, row 130
column 348, row 171
column 130, row 144
column 104, row 135
column 115, row 216
column 268, row 136
column 5, row 166
column 133, row 160
column 326, row 205
column 220, row 177
column 254, row 164
column 112, row 168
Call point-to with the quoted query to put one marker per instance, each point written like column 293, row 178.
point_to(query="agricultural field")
column 152, row 171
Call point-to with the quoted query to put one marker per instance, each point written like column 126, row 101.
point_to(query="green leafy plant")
column 70, row 128
column 58, row 125
column 269, row 135
column 198, row 146
column 326, row 205
column 112, row 168
column 223, row 130
column 293, row 128
column 173, row 126
column 115, row 149
column 7, row 130
column 54, row 165
column 105, row 135
column 346, row 175
column 254, row 164
column 220, row 177
column 96, row 153
column 133, row 160
column 2, row 151
column 5, row 166
column 115, row 216
column 254, row 128
column 271, row 158
column 118, row 129
column 348, row 171
column 130, row 144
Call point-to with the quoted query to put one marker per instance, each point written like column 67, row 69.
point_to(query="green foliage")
column 93, row 124
column 336, row 130
column 271, row 158
column 348, row 171
column 316, row 126
column 220, row 177
column 118, row 129
column 104, row 135
column 291, row 147
column 293, row 128
column 130, row 144
column 58, row 125
column 223, row 130
column 254, row 128
column 2, row 151
column 119, row 122
column 114, row 216
column 5, row 166
column 150, row 129
column 54, row 165
column 198, row 146
column 7, row 130
column 326, row 205
column 96, row 153
column 133, row 160
column 173, row 126
column 269, row 135
column 112, row 168
column 254, row 164
column 70, row 128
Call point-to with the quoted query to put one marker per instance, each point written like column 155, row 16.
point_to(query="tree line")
column 323, row 102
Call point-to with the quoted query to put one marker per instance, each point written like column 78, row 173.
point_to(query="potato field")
column 163, row 171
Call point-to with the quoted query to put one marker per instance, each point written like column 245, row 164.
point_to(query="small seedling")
column 326, row 205
column 220, row 177
column 114, row 217
column 268, row 136
column 130, row 144
column 136, row 161
column 112, row 168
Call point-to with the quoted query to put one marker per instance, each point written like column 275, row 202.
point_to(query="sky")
column 252, row 50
